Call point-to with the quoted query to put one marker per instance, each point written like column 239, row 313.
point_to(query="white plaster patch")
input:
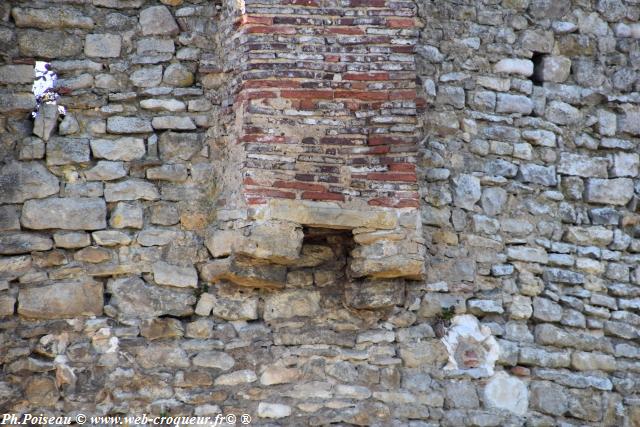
column 472, row 349
column 508, row 393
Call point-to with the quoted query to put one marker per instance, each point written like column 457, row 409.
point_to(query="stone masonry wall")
column 135, row 280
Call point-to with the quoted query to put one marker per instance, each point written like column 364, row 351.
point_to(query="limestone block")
column 245, row 272
column 61, row 300
column 126, row 148
column 133, row 298
column 293, row 303
column 506, row 392
column 70, row 213
column 374, row 294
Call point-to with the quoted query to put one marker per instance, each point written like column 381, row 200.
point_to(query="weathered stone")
column 546, row 310
column 231, row 304
column 179, row 146
column 47, row 18
column 548, row 398
column 320, row 214
column 527, row 254
column 157, row 20
column 374, row 294
column 506, row 392
column 173, row 275
column 120, row 124
column 13, row 243
column 520, row 307
column 48, row 44
column 163, row 105
column 508, row 103
column 244, row 376
column 245, row 273
column 540, row 357
column 166, row 328
column 68, row 126
column 165, row 354
column 581, row 165
column 279, row 375
column 17, row 74
column 46, row 121
column 17, row 102
column 214, row 359
column 103, row 45
column 131, row 189
column 536, row 174
column 106, row 171
column 7, row 305
column 21, row 181
column 584, row 361
column 126, row 148
column 273, row 410
column 562, row 113
column 126, row 215
column 41, row 391
column 466, row 191
column 132, row 297
column 294, row 303
column 65, row 151
column 553, row 69
column 169, row 172
column 618, row 191
column 276, row 241
column 61, row 300
column 625, row 164
column 64, row 213
column 93, row 255
column 483, row 307
column 157, row 236
column 9, row 218
column 147, row 76
column 71, row 240
column 177, row 75
column 523, row 67
column 173, row 122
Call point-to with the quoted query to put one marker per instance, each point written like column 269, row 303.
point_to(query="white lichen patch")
column 506, row 392
column 472, row 349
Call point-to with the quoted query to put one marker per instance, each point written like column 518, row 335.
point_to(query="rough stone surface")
column 70, row 213
column 61, row 300
column 291, row 205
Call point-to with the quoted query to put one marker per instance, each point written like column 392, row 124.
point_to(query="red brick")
column 366, row 76
column 307, row 94
column 401, row 167
column 293, row 185
column 332, row 58
column 269, row 192
column 354, row 31
column 263, row 84
column 311, row 3
column 260, row 94
column 362, row 95
column 392, row 140
column 401, row 22
column 274, row 139
column 316, row 195
column 252, row 19
column 327, row 140
column 256, row 200
column 392, row 176
column 406, row 94
column 367, row 3
column 407, row 203
column 271, row 29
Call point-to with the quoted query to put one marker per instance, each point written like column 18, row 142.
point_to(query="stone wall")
column 135, row 280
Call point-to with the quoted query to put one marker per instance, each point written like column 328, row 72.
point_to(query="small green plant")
column 443, row 321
